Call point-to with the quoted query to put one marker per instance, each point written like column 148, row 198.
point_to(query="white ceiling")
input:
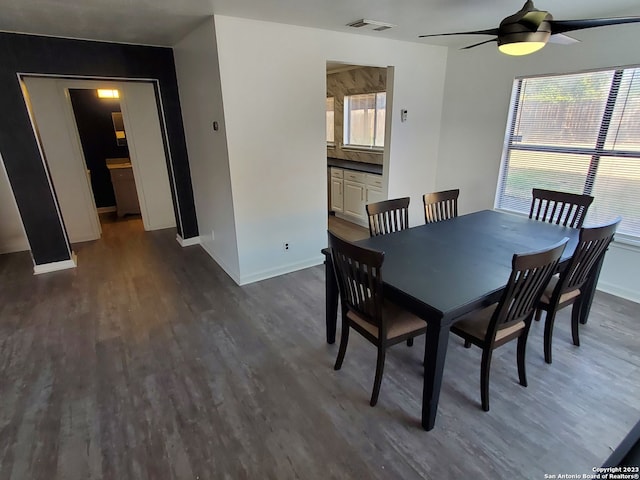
column 164, row 22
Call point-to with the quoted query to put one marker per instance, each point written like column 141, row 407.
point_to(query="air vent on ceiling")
column 377, row 26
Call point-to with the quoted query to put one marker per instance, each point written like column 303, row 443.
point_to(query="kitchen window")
column 577, row 133
column 331, row 104
column 364, row 118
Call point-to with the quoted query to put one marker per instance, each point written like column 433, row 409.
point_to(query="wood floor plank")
column 148, row 362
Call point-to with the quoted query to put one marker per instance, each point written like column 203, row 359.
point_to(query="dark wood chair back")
column 388, row 216
column 568, row 209
column 529, row 276
column 359, row 277
column 592, row 245
column 439, row 206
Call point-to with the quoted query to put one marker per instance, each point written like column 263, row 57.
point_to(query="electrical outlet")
column 285, row 246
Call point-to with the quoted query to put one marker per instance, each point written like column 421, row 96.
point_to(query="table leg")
column 436, row 341
column 331, row 299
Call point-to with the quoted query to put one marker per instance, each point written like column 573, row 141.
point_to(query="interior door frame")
column 92, row 83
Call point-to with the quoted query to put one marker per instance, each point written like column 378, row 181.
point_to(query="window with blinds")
column 577, row 133
column 364, row 117
column 331, row 104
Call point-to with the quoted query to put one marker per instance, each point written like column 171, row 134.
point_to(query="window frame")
column 597, row 152
column 346, row 133
column 331, row 143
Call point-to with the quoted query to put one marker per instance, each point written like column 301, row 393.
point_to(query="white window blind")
column 364, row 117
column 577, row 133
column 331, row 103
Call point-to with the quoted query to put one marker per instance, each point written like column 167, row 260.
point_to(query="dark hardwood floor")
column 148, row 362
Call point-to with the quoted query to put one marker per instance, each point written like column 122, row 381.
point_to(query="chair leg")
column 548, row 334
column 379, row 371
column 344, row 339
column 467, row 344
column 522, row 350
column 575, row 322
column 410, row 342
column 538, row 314
column 484, row 378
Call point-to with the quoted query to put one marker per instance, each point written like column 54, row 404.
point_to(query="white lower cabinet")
column 337, row 202
column 354, row 199
column 336, row 185
column 374, row 195
column 351, row 191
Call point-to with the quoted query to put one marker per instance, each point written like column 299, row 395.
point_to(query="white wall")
column 476, row 105
column 273, row 84
column 196, row 59
column 12, row 236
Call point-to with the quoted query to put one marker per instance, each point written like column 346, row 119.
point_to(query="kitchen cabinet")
column 355, row 195
column 350, row 191
column 354, row 203
column 336, row 186
column 374, row 189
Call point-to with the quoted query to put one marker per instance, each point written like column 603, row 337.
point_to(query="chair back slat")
column 568, row 209
column 591, row 248
column 388, row 216
column 359, row 277
column 529, row 276
column 439, row 206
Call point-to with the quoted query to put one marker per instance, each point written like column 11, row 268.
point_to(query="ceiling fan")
column 529, row 29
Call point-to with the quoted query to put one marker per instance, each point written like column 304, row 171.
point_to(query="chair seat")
column 548, row 292
column 476, row 323
column 400, row 321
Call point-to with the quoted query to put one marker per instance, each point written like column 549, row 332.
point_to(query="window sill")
column 362, row 148
column 627, row 242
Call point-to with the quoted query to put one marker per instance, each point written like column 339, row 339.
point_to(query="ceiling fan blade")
column 481, row 43
column 490, row 31
column 562, row 39
column 561, row 26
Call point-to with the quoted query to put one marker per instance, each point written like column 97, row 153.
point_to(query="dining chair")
column 565, row 289
column 439, row 206
column 510, row 318
column 358, row 272
column 388, row 216
column 568, row 209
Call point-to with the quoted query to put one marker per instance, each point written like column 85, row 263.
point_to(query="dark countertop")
column 357, row 166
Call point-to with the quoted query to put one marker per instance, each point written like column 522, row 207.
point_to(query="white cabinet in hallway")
column 354, row 199
column 351, row 191
column 374, row 189
column 337, row 185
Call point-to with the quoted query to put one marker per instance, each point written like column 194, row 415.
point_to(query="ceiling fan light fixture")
column 520, row 48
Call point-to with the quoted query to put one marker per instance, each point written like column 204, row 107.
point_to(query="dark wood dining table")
column 443, row 270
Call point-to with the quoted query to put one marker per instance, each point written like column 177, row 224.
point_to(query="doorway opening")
column 134, row 143
column 357, row 135
column 103, row 137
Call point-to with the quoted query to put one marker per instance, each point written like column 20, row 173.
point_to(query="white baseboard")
column 618, row 291
column 55, row 266
column 233, row 274
column 187, row 242
column 107, row 209
column 275, row 272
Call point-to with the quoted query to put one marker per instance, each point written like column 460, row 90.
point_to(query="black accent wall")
column 98, row 138
column 56, row 56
